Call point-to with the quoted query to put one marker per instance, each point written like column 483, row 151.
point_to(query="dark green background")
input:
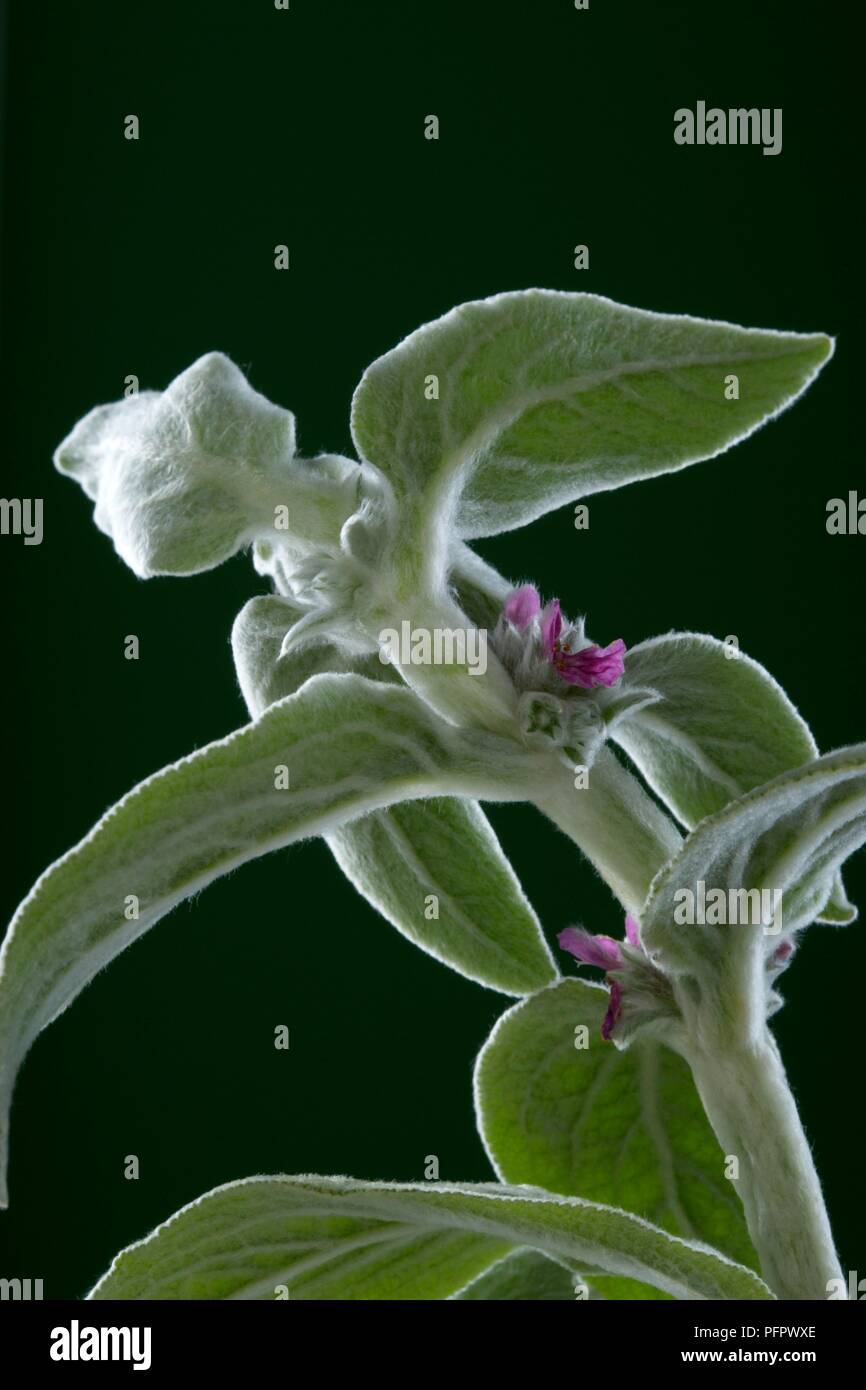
column 260, row 127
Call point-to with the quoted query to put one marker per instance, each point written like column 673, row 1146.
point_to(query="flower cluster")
column 562, row 648
column 639, row 993
column 564, row 681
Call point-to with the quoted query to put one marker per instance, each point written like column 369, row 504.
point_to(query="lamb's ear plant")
column 642, row 1132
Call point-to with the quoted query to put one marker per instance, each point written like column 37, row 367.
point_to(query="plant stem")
column 482, row 701
column 615, row 823
column 749, row 1105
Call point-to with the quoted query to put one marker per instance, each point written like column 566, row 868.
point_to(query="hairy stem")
column 485, row 699
column 749, row 1105
column 615, row 823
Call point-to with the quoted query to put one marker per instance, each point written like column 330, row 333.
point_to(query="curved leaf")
column 617, row 1290
column 396, row 858
column 266, row 673
column 789, row 837
column 545, row 397
column 622, row 1127
column 722, row 727
column 524, row 1275
column 446, row 850
column 349, row 746
column 183, row 478
column 335, row 1238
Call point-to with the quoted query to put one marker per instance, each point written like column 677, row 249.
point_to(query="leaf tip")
column 826, row 345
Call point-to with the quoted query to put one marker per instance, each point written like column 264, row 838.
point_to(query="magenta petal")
column 593, row 665
column 602, row 951
column 613, row 1010
column 632, row 932
column 551, row 626
column 522, row 605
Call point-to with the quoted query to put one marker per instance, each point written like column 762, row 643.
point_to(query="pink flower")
column 589, row 665
column 602, row 951
column 593, row 665
column 605, row 953
column 522, row 605
column 551, row 627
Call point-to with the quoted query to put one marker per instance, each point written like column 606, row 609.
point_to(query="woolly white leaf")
column 185, row 477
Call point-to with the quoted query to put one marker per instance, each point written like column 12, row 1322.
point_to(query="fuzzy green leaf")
column 545, row 397
column 524, row 1275
column 723, row 725
column 349, row 746
column 446, row 849
column 787, row 837
column 268, row 673
column 626, row 1128
column 397, row 858
column 335, row 1238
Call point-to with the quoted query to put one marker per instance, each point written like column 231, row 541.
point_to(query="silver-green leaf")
column 340, row 747
column 560, row 1108
column 721, row 727
column 435, row 869
column 268, row 673
column 524, row 1275
column 335, row 1238
column 785, row 840
column 510, row 406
